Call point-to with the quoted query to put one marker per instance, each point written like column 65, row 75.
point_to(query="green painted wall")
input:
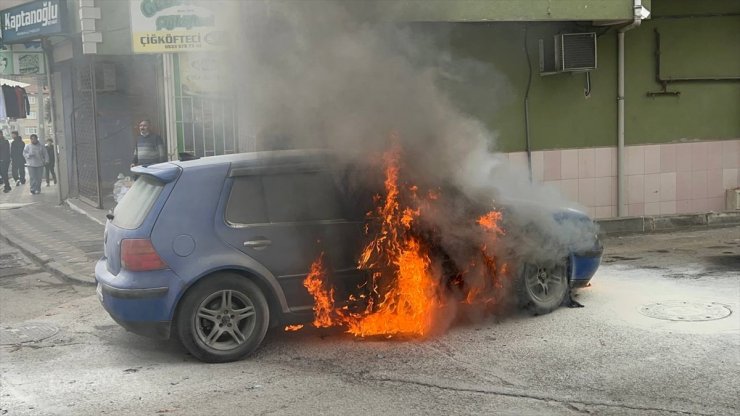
column 698, row 38
column 704, row 110
column 496, row 10
column 561, row 116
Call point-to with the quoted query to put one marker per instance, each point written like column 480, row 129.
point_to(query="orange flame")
column 290, row 328
column 406, row 296
column 490, row 222
column 410, row 304
column 316, row 284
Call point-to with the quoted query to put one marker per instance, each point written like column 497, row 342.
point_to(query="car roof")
column 264, row 159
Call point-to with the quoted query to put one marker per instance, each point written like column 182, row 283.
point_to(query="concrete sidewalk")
column 65, row 242
column 68, row 239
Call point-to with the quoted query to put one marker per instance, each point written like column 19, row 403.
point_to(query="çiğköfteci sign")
column 179, row 25
column 33, row 21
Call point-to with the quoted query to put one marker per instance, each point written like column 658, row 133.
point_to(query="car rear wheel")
column 224, row 318
column 542, row 287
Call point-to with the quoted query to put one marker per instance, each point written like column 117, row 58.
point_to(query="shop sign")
column 179, row 25
column 202, row 74
column 33, row 21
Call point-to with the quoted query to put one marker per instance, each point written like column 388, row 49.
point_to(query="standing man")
column 18, row 169
column 35, row 155
column 50, row 161
column 149, row 147
column 4, row 162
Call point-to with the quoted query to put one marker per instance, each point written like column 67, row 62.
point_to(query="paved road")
column 605, row 358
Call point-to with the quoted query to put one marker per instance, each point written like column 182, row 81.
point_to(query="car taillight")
column 139, row 255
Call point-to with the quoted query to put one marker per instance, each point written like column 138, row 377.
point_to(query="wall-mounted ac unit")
column 569, row 52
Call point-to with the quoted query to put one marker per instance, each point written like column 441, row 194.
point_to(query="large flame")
column 316, row 284
column 410, row 305
column 407, row 297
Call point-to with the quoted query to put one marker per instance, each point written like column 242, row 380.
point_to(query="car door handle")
column 258, row 244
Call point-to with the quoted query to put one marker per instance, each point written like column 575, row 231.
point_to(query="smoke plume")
column 317, row 75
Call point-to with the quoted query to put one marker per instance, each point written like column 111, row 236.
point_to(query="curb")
column 650, row 224
column 73, row 206
column 47, row 263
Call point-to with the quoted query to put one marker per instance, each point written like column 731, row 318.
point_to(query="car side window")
column 305, row 196
column 246, row 203
column 357, row 186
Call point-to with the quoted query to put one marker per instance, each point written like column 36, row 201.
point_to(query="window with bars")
column 206, row 126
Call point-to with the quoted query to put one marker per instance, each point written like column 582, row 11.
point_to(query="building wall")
column 135, row 97
column 498, row 10
column 115, row 26
column 664, row 179
column 562, row 116
column 683, row 151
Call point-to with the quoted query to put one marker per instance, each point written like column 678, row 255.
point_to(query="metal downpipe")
column 636, row 20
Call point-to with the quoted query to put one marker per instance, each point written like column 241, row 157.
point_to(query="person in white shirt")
column 35, row 154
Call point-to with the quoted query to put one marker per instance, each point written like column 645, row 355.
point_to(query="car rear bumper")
column 584, row 266
column 142, row 309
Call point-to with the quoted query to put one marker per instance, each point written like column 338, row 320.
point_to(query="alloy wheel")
column 225, row 320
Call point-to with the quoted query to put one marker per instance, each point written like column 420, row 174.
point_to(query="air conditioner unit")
column 569, row 52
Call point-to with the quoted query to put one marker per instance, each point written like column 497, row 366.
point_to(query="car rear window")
column 136, row 204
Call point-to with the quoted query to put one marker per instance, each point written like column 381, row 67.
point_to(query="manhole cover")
column 677, row 310
column 29, row 332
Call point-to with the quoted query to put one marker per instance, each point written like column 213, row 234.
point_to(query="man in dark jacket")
column 4, row 162
column 50, row 161
column 148, row 147
column 16, row 156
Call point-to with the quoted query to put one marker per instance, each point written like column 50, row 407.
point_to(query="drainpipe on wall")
column 638, row 14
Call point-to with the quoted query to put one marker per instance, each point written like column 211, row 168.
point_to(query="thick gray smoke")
column 314, row 75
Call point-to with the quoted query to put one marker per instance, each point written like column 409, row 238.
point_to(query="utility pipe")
column 636, row 20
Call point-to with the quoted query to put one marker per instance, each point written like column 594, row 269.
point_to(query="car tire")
column 541, row 288
column 223, row 318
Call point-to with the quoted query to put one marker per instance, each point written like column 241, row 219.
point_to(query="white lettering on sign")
column 46, row 15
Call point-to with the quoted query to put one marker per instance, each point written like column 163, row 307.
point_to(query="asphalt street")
column 659, row 334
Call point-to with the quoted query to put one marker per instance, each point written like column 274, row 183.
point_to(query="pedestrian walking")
column 35, row 155
column 4, row 162
column 50, row 161
column 18, row 167
column 149, row 147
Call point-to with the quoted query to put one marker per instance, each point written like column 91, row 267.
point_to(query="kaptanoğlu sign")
column 33, row 21
column 179, row 25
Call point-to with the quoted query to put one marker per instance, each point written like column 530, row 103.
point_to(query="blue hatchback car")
column 214, row 251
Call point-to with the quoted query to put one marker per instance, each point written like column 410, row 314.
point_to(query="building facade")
column 645, row 122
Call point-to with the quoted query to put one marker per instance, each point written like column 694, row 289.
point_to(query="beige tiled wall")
column 660, row 179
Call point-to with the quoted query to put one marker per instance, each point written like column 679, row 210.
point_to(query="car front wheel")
column 542, row 287
column 224, row 318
